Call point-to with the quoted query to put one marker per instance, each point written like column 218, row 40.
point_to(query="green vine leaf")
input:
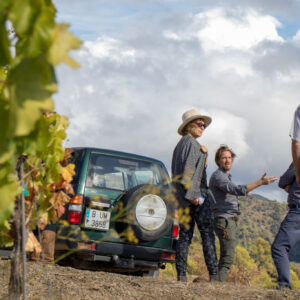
column 5, row 56
column 30, row 94
column 34, row 24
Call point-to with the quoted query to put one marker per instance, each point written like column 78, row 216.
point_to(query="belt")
column 235, row 218
column 297, row 206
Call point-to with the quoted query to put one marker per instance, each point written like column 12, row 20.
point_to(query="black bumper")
column 120, row 249
column 117, row 255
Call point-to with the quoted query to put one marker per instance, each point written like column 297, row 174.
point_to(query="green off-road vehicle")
column 122, row 216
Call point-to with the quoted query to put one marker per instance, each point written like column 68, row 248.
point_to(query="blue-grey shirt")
column 289, row 178
column 225, row 194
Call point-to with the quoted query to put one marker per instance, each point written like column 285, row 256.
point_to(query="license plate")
column 97, row 219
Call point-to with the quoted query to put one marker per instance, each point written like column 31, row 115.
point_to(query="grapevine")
column 31, row 45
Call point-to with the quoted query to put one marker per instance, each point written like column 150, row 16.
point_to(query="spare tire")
column 147, row 210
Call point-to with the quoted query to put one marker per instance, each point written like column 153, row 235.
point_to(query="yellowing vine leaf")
column 58, row 201
column 59, row 198
column 43, row 221
column 64, row 41
column 68, row 153
column 33, row 244
column 68, row 172
column 68, row 188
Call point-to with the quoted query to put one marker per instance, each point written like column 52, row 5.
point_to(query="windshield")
column 120, row 173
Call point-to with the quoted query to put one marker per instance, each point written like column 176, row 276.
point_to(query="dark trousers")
column 202, row 216
column 286, row 238
column 227, row 232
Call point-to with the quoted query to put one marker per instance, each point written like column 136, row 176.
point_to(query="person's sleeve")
column 192, row 154
column 223, row 183
column 287, row 178
column 295, row 129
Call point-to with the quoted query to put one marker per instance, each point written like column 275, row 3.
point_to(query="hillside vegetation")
column 261, row 218
column 259, row 223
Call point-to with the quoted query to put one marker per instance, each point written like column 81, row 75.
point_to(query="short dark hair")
column 222, row 149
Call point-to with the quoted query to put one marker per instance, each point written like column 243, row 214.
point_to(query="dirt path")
column 69, row 283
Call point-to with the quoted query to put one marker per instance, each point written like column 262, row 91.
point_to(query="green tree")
column 261, row 253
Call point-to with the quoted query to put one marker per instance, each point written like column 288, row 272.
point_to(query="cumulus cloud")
column 232, row 64
column 107, row 48
column 296, row 38
column 217, row 29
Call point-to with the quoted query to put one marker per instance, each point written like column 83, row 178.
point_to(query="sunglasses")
column 200, row 124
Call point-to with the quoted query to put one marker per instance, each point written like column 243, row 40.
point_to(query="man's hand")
column 287, row 188
column 203, row 149
column 264, row 180
column 196, row 201
column 267, row 180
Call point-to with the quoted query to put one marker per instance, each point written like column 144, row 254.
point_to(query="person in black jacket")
column 289, row 231
column 189, row 177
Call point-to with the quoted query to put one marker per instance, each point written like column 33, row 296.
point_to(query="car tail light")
column 77, row 199
column 168, row 255
column 86, row 246
column 175, row 231
column 75, row 210
column 74, row 217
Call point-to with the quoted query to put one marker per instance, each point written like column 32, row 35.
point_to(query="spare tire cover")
column 147, row 210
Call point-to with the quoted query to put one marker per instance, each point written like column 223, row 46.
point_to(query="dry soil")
column 58, row 282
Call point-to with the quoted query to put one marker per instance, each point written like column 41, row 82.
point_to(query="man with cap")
column 189, row 177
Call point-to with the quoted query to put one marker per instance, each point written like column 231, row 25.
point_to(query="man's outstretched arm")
column 264, row 180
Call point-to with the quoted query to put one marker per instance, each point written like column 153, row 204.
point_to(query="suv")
column 122, row 216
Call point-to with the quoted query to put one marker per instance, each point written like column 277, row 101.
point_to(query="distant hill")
column 259, row 196
column 261, row 218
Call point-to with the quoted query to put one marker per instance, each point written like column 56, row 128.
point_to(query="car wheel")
column 146, row 209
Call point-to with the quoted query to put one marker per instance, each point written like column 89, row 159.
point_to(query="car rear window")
column 113, row 172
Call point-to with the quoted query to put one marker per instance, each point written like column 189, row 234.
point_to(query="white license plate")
column 97, row 219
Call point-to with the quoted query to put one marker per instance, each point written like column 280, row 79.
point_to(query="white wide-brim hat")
column 191, row 115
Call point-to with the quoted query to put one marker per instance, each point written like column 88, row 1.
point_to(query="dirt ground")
column 58, row 282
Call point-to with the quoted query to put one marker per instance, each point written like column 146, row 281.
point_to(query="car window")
column 119, row 173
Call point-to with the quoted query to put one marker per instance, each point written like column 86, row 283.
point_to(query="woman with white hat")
column 189, row 177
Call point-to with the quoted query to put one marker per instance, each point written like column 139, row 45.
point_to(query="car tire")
column 146, row 209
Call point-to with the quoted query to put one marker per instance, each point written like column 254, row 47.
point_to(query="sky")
column 144, row 63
